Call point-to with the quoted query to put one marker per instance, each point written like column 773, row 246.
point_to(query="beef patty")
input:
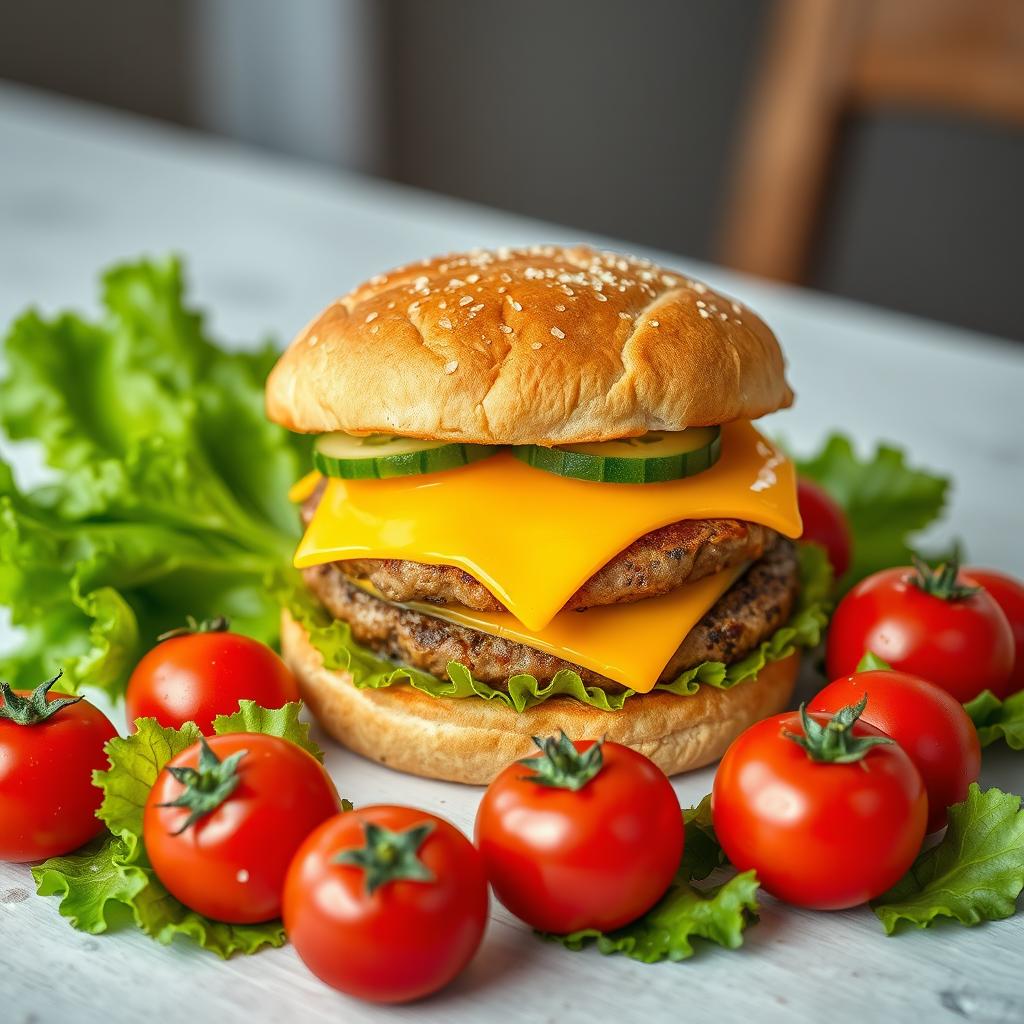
column 660, row 561
column 747, row 613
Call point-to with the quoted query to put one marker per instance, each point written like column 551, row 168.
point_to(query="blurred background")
column 870, row 148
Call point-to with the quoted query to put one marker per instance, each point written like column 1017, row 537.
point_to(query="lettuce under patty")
column 333, row 639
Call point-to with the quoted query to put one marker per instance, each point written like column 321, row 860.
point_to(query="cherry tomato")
column 245, row 804
column 386, row 903
column 50, row 744
column 596, row 856
column 926, row 721
column 197, row 674
column 820, row 834
column 1008, row 593
column 955, row 636
column 825, row 524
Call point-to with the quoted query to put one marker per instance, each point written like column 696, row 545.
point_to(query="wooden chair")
column 826, row 59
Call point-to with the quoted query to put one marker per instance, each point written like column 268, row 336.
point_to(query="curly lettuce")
column 168, row 492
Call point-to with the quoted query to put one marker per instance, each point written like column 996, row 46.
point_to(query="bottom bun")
column 471, row 740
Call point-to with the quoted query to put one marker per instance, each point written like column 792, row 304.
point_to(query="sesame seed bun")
column 471, row 740
column 546, row 345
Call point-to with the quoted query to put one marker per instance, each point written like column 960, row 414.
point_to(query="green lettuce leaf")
column 283, row 722
column 170, row 491
column 997, row 719
column 702, row 852
column 886, row 501
column 975, row 874
column 333, row 639
column 113, row 874
column 718, row 913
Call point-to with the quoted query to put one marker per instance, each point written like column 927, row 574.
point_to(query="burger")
column 538, row 503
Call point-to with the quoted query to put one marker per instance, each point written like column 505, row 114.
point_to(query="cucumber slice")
column 655, row 457
column 378, row 456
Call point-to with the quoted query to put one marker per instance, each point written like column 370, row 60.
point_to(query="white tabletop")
column 269, row 242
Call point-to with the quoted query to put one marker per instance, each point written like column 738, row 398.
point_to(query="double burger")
column 538, row 503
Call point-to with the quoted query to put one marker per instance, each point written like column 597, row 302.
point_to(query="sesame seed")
column 700, row 303
column 477, row 307
column 516, row 305
column 312, row 341
column 445, row 323
column 375, row 328
column 442, row 304
column 371, row 318
column 465, row 300
column 560, row 308
column 452, row 366
column 704, row 313
column 505, row 329
column 625, row 316
column 655, row 323
column 557, row 333
column 600, row 297
column 536, row 345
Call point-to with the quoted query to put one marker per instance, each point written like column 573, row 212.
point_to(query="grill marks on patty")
column 750, row 611
column 657, row 563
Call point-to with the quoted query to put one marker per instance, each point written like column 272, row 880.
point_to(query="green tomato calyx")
column 218, row 624
column 35, row 708
column 389, row 856
column 834, row 742
column 207, row 786
column 560, row 765
column 941, row 582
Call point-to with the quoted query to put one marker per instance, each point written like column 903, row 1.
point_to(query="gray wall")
column 618, row 116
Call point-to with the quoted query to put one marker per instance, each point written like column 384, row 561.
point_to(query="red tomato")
column 197, row 675
column 229, row 861
column 962, row 643
column 820, row 835
column 825, row 524
column 386, row 903
column 595, row 857
column 926, row 721
column 1008, row 593
column 49, row 746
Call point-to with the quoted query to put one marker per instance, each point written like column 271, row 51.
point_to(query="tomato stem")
column 207, row 786
column 35, row 708
column 389, row 856
column 561, row 765
column 941, row 582
column 834, row 742
column 218, row 624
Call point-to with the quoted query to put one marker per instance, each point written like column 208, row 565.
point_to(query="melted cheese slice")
column 630, row 643
column 532, row 538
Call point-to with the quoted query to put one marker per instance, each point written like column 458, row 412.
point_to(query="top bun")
column 546, row 345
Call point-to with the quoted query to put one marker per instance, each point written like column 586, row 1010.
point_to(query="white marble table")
column 268, row 243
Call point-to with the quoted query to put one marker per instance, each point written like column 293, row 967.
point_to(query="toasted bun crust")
column 472, row 740
column 546, row 345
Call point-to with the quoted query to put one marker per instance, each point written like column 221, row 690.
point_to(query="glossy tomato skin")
column 1008, row 593
column 926, row 721
column 595, row 858
column 230, row 865
column 825, row 524
column 48, row 803
column 824, row 836
column 405, row 940
column 198, row 676
column 965, row 646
